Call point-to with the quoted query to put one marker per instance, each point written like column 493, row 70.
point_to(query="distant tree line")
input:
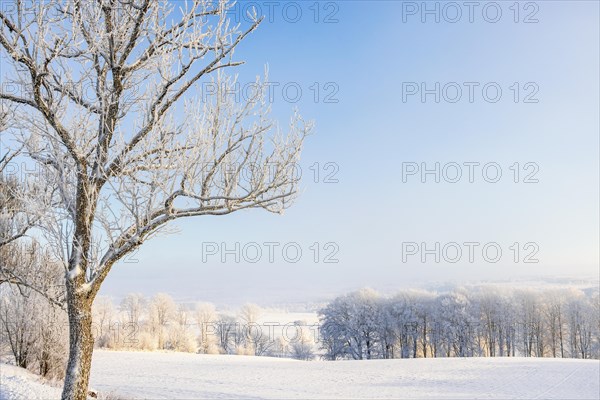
column 159, row 323
column 483, row 322
column 489, row 321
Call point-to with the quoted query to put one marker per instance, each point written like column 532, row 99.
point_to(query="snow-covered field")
column 192, row 376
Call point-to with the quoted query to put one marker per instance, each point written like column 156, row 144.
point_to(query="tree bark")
column 81, row 345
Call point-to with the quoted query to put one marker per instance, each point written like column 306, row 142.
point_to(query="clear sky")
column 369, row 56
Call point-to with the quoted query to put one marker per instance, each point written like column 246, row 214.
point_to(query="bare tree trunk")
column 425, row 338
column 81, row 346
column 560, row 334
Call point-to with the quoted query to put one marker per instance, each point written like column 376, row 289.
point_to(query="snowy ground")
column 192, row 376
column 18, row 383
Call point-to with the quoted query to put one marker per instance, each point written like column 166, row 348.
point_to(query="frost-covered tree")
column 255, row 342
column 554, row 313
column 250, row 313
column 423, row 310
column 162, row 311
column 402, row 312
column 103, row 316
column 488, row 310
column 386, row 328
column 32, row 327
column 31, row 294
column 133, row 305
column 180, row 336
column 349, row 326
column 582, row 326
column 205, row 316
column 530, row 322
column 226, row 330
column 303, row 347
column 105, row 106
column 454, row 323
column 17, row 328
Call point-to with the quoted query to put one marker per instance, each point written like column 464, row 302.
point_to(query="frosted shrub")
column 181, row 339
column 147, row 342
column 242, row 350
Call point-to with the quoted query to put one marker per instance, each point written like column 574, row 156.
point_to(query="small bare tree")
column 32, row 327
column 250, row 313
column 205, row 316
column 162, row 311
column 103, row 316
column 106, row 107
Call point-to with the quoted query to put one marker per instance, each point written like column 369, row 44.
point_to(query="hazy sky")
column 371, row 62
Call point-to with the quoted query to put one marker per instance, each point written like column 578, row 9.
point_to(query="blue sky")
column 366, row 58
column 370, row 132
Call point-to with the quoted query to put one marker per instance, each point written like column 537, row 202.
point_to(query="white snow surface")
column 18, row 383
column 158, row 375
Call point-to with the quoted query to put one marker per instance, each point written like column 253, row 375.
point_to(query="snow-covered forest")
column 488, row 322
